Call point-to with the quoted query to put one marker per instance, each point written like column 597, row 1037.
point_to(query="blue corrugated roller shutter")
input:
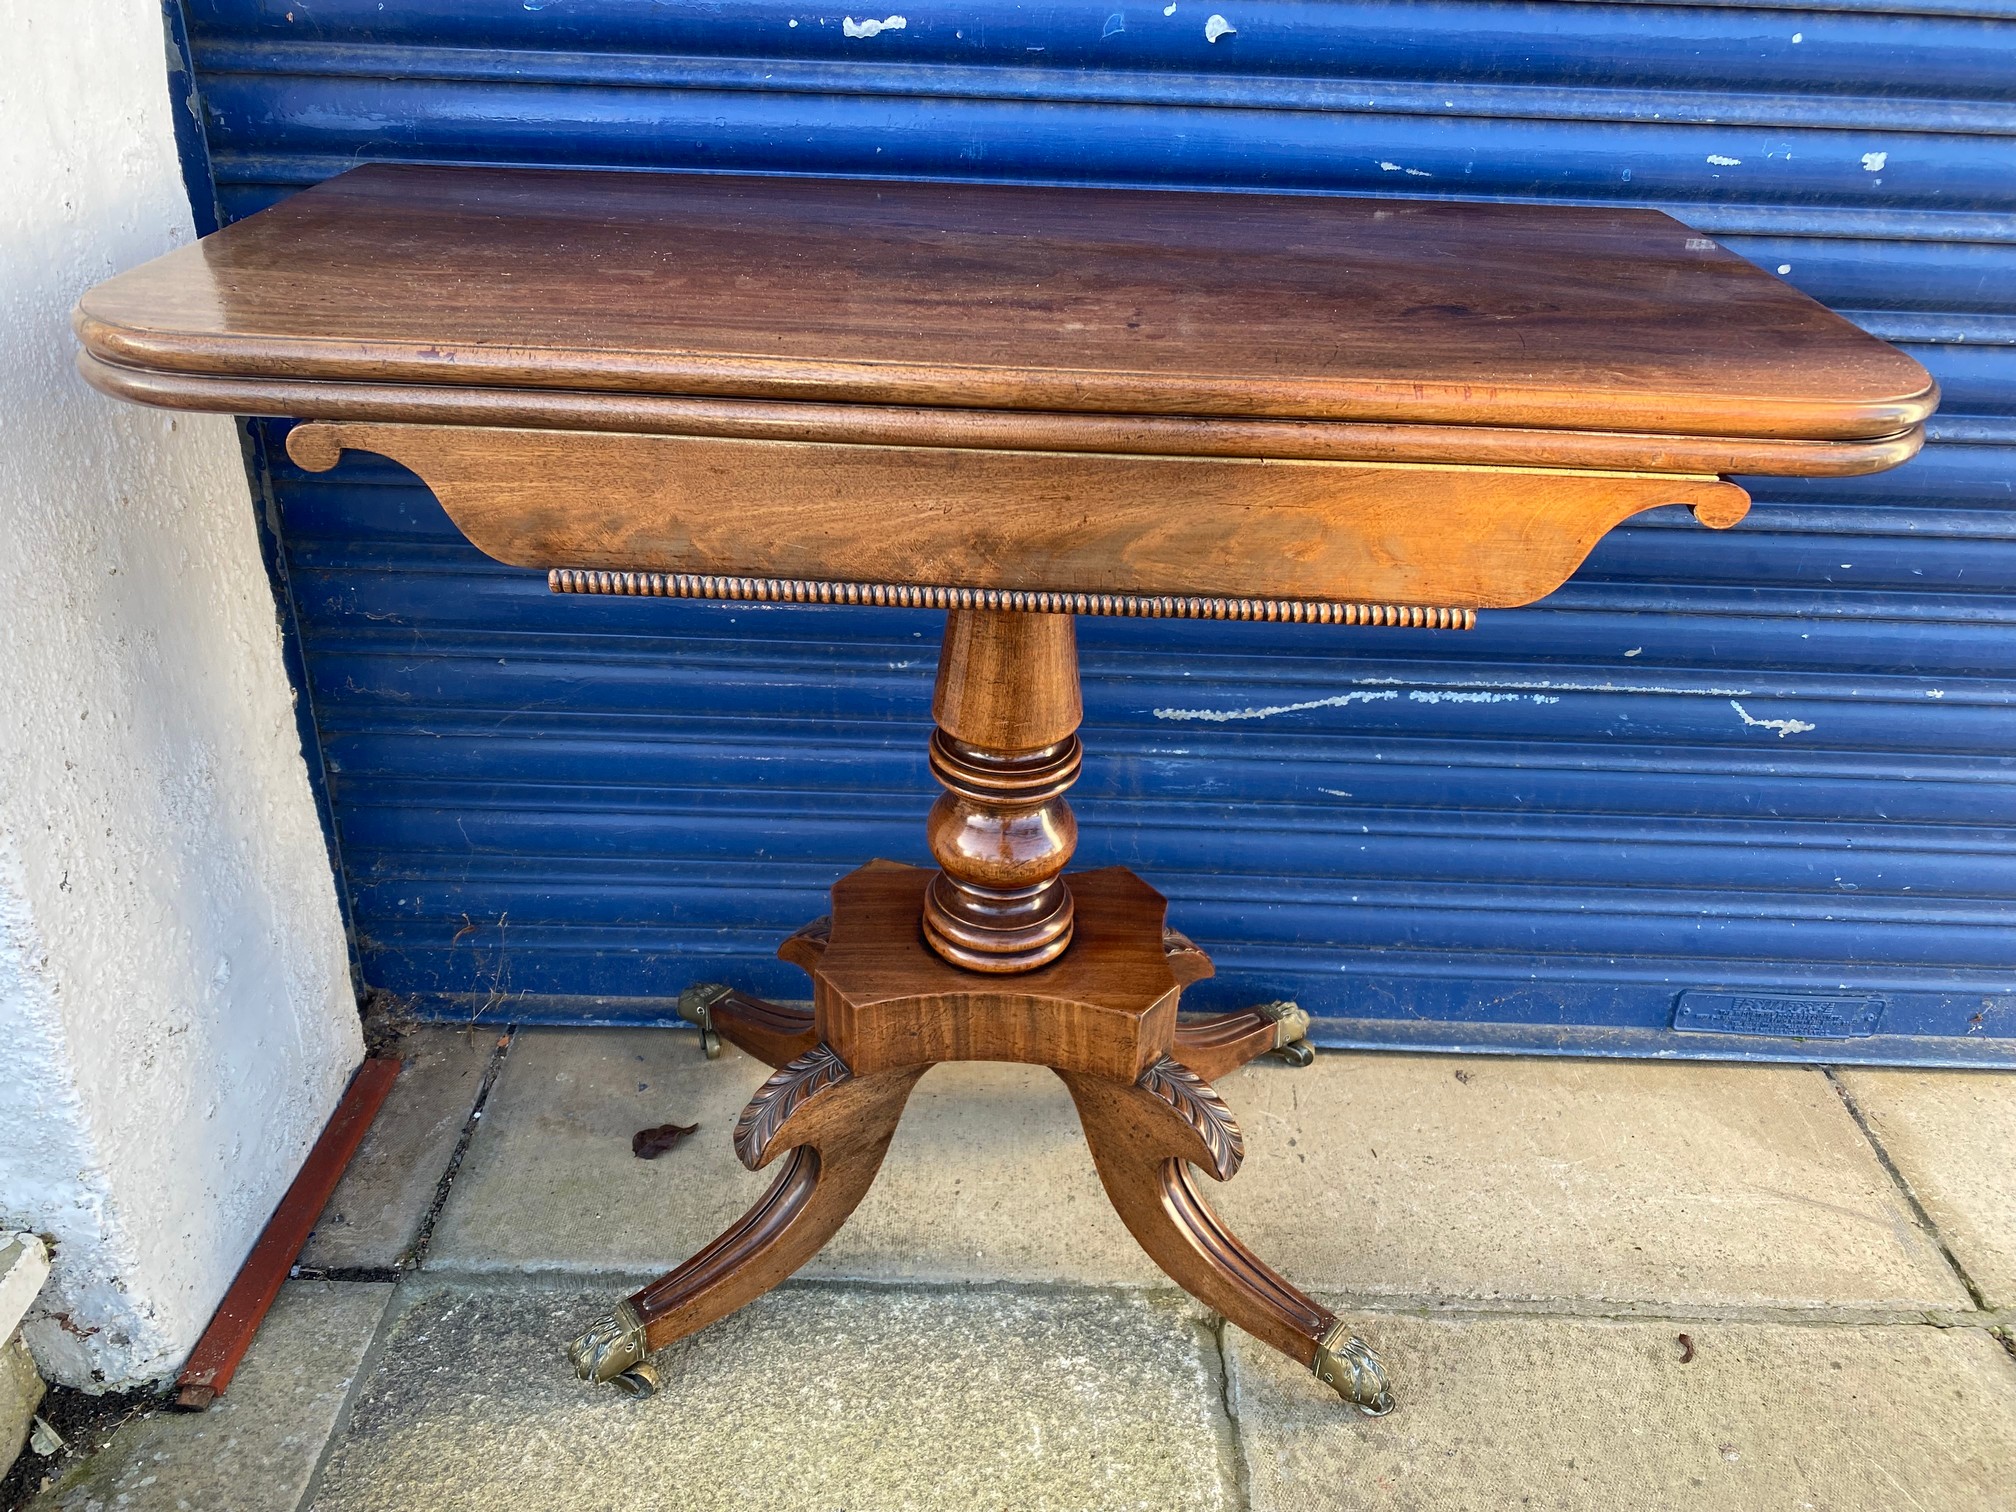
column 1773, row 762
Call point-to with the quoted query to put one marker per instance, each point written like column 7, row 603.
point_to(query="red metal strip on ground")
column 215, row 1358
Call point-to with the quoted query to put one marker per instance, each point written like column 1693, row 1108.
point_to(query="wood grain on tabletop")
column 993, row 296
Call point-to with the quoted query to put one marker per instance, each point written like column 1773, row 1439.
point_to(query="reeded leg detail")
column 1213, row 1046
column 1144, row 1140
column 835, row 1127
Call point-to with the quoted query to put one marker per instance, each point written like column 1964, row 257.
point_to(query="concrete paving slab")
column 24, row 1267
column 20, row 1394
column 548, row 1181
column 1952, row 1136
column 988, row 1179
column 814, row 1398
column 374, row 1217
column 1589, row 1182
column 255, row 1450
column 1602, row 1182
column 1573, row 1414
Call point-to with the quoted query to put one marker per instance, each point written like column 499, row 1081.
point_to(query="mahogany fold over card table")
column 1018, row 405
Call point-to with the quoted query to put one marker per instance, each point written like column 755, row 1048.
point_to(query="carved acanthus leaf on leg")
column 779, row 1097
column 805, row 947
column 1198, row 1104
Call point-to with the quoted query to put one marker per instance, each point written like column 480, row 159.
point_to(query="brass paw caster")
column 1291, row 1033
column 1348, row 1366
column 696, row 1006
column 614, row 1351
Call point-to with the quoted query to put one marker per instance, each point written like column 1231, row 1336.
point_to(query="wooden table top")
column 999, row 298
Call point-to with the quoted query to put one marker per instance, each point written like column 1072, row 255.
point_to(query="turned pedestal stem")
column 1006, row 748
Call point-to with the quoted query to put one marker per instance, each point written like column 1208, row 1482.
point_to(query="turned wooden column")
column 1006, row 748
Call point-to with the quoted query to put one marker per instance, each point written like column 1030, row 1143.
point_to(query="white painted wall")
column 176, row 1021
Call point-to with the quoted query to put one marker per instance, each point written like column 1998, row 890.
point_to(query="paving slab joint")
column 1918, row 1208
column 1616, row 1310
column 367, row 1367
column 1239, row 1474
column 416, row 1257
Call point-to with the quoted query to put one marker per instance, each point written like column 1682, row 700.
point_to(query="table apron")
column 1371, row 532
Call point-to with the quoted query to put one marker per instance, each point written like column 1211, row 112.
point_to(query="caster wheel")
column 638, row 1381
column 696, row 1006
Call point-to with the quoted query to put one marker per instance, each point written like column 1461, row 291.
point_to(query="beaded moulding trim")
column 1016, row 600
